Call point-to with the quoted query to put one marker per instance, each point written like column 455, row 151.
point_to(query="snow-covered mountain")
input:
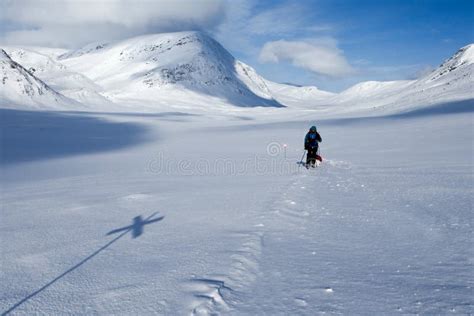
column 44, row 64
column 451, row 81
column 463, row 58
column 297, row 96
column 21, row 88
column 150, row 66
column 192, row 71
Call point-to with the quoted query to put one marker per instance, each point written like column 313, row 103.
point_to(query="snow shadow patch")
column 464, row 106
column 447, row 108
column 36, row 135
column 123, row 231
column 162, row 116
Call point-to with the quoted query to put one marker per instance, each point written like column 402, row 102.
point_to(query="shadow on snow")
column 136, row 227
column 36, row 135
column 137, row 230
column 447, row 108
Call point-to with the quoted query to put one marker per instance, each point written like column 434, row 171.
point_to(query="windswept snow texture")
column 211, row 216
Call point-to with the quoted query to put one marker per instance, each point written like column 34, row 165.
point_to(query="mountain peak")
column 467, row 53
column 152, row 42
column 460, row 60
column 464, row 56
column 155, row 62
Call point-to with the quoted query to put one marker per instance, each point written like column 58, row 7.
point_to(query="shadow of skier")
column 136, row 228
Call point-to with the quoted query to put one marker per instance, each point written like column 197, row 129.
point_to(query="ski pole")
column 302, row 157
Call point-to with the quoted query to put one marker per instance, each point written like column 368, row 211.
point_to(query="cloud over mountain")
column 70, row 23
column 321, row 57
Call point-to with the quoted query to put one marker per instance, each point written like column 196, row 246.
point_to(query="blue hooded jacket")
column 311, row 140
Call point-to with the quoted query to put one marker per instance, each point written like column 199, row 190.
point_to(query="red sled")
column 318, row 157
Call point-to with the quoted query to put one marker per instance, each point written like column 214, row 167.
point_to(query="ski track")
column 298, row 208
column 293, row 205
column 309, row 277
column 224, row 294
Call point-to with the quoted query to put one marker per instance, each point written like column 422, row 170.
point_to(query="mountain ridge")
column 20, row 85
column 192, row 60
column 191, row 70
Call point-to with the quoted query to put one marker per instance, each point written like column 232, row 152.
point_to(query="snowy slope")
column 153, row 66
column 463, row 58
column 44, row 64
column 297, row 96
column 20, row 88
column 452, row 81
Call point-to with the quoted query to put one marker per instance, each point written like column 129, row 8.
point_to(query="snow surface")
column 179, row 202
column 383, row 226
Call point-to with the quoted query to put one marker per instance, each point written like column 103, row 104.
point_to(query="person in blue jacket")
column 311, row 144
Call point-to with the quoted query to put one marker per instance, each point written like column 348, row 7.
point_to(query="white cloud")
column 320, row 56
column 232, row 31
column 72, row 22
column 248, row 24
column 282, row 20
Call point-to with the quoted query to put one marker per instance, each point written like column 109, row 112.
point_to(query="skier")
column 311, row 145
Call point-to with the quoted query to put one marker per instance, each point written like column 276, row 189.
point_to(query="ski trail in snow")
column 222, row 294
column 282, row 285
column 326, row 240
column 288, row 208
column 299, row 200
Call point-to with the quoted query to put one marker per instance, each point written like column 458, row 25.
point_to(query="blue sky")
column 382, row 40
column 332, row 44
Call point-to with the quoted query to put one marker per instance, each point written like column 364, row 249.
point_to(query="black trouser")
column 311, row 155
